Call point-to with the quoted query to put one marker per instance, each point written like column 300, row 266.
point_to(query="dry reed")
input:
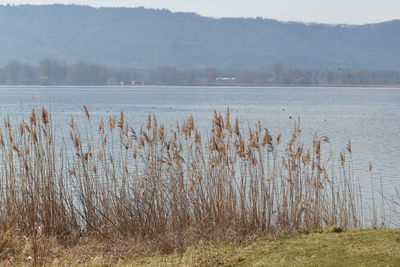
column 169, row 186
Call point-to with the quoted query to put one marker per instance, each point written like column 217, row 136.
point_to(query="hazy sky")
column 325, row 11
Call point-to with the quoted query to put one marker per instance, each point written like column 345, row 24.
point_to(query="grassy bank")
column 163, row 188
column 318, row 248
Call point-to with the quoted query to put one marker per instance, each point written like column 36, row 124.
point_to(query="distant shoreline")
column 259, row 85
column 297, row 85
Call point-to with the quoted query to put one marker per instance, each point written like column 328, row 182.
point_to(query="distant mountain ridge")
column 140, row 37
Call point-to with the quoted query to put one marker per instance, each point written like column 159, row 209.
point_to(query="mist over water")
column 369, row 117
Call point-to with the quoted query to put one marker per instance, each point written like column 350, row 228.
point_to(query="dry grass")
column 317, row 248
column 168, row 189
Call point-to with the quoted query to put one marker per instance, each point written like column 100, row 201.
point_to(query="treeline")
column 53, row 72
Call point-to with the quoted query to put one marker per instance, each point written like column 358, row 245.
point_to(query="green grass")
column 325, row 248
column 352, row 248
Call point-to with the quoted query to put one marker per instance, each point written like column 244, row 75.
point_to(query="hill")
column 140, row 37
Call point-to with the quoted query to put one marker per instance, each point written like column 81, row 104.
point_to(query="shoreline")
column 235, row 85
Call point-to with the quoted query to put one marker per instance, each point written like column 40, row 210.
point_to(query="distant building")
column 126, row 83
column 226, row 79
column 43, row 78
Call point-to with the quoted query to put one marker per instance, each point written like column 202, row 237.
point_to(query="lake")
column 369, row 117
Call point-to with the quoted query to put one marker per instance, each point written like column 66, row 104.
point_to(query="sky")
column 321, row 11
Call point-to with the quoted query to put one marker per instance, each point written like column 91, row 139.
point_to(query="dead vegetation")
column 167, row 188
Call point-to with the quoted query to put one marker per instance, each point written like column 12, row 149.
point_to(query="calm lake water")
column 369, row 117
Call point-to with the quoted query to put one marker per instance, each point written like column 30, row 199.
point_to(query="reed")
column 173, row 186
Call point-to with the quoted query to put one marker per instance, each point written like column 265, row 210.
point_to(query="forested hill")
column 141, row 37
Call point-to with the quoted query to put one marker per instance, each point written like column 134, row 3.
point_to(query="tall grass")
column 110, row 180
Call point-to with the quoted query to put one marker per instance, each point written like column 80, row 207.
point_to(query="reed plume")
column 154, row 183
